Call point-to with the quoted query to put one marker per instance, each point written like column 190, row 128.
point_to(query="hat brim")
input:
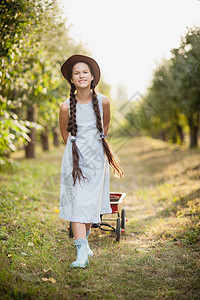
column 72, row 60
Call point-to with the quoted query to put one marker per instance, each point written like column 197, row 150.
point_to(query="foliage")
column 12, row 131
column 175, row 93
column 34, row 42
column 16, row 17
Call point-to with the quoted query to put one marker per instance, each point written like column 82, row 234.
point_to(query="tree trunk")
column 193, row 132
column 162, row 135
column 30, row 147
column 180, row 133
column 45, row 139
column 55, row 136
column 174, row 137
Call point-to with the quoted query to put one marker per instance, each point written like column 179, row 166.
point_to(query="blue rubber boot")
column 82, row 254
column 90, row 252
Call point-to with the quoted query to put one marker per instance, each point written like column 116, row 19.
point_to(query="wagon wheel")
column 123, row 218
column 118, row 229
column 70, row 230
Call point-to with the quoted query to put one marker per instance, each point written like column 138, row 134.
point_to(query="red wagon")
column 116, row 200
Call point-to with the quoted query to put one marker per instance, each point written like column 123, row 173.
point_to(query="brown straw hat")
column 72, row 60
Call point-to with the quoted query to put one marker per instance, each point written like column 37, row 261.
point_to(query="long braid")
column 72, row 127
column 107, row 150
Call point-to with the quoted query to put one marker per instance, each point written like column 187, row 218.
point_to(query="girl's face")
column 81, row 75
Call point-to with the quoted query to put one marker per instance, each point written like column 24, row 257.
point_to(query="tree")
column 34, row 44
column 175, row 94
column 186, row 67
column 16, row 20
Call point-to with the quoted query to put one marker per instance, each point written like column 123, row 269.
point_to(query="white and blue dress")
column 85, row 201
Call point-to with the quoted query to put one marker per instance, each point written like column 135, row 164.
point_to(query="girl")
column 84, row 122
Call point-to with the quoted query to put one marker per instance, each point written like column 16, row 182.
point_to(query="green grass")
column 158, row 255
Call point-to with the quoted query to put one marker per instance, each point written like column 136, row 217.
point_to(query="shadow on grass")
column 158, row 158
column 152, row 150
column 179, row 207
column 179, row 204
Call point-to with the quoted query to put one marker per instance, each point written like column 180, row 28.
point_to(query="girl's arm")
column 63, row 120
column 106, row 114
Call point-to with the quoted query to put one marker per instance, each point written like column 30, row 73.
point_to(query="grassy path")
column 158, row 256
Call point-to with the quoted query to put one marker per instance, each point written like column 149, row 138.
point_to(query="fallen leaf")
column 47, row 272
column 56, row 210
column 9, row 255
column 66, row 287
column 52, row 280
column 44, row 279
